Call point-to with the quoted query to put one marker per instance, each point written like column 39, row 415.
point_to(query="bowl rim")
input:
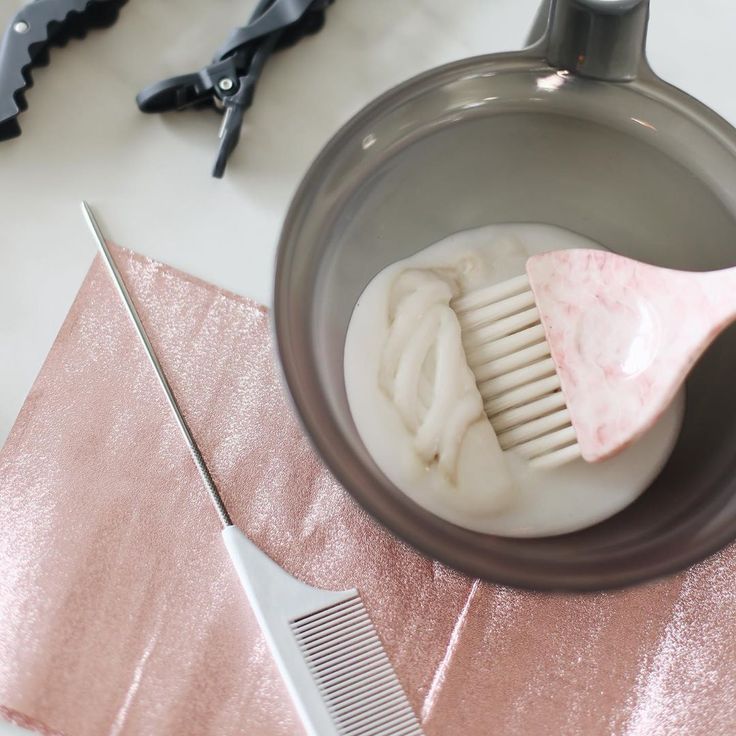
column 523, row 61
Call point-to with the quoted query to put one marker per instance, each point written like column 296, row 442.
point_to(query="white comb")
column 583, row 354
column 326, row 648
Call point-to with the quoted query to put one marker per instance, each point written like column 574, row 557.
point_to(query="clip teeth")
column 51, row 23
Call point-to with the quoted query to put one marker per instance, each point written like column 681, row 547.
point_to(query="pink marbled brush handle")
column 624, row 336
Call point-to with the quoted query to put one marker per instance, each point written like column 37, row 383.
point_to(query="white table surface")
column 83, row 137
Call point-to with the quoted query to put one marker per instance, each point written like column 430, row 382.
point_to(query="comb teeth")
column 353, row 673
column 507, row 350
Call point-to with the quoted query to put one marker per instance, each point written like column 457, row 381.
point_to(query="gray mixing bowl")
column 592, row 141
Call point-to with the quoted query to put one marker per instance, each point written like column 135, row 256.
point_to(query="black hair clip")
column 229, row 82
column 26, row 43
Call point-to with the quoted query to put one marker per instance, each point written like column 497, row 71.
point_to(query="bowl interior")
column 639, row 168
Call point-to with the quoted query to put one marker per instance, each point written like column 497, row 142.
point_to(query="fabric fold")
column 120, row 614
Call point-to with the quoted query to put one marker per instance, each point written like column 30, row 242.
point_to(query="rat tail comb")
column 25, row 45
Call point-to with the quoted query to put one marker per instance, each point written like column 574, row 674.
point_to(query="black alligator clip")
column 229, row 82
column 26, row 43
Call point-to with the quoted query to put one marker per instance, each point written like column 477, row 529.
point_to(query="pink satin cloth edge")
column 121, row 615
column 23, row 721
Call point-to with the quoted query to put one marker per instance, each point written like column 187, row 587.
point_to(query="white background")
column 148, row 176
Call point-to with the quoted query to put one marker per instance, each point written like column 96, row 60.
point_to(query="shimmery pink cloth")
column 120, row 613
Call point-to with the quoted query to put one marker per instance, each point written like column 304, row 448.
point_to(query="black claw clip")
column 229, row 82
column 25, row 45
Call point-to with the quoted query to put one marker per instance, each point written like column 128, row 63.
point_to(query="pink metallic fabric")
column 120, row 614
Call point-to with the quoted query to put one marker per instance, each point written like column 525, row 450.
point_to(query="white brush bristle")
column 508, row 353
column 353, row 672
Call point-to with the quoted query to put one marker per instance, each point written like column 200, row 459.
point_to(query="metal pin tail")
column 140, row 329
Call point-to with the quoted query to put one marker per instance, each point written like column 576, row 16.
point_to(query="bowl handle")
column 601, row 39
